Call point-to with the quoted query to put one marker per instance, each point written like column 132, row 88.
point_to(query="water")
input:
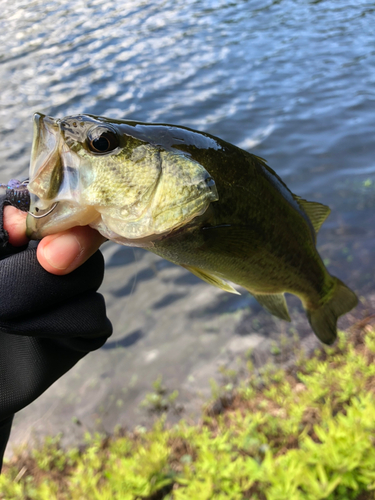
column 291, row 81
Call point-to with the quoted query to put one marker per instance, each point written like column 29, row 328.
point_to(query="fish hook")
column 45, row 214
column 18, row 195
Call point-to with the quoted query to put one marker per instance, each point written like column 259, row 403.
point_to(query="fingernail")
column 61, row 252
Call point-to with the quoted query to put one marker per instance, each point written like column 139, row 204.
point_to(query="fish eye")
column 102, row 140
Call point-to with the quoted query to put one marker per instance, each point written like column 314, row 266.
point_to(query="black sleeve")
column 47, row 324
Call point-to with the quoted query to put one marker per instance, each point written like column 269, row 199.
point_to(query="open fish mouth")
column 54, row 201
column 45, row 174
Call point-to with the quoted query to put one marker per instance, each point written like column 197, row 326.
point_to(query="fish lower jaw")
column 58, row 220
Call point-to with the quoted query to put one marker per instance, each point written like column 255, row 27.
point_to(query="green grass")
column 307, row 433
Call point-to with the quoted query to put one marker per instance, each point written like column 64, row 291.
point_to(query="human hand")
column 47, row 322
column 59, row 253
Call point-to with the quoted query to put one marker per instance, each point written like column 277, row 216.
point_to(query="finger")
column 15, row 225
column 63, row 252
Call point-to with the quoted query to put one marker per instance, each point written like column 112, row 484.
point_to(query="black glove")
column 47, row 324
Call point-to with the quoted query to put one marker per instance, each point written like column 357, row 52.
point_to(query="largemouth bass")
column 194, row 199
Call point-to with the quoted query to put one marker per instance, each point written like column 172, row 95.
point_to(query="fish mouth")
column 45, row 168
column 52, row 199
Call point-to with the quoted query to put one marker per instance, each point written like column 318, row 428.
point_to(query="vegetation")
column 305, row 433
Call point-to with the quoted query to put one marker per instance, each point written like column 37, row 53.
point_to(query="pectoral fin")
column 275, row 304
column 211, row 279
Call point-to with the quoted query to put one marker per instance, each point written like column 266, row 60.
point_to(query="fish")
column 194, row 199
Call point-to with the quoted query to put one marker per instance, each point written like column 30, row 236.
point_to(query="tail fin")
column 323, row 320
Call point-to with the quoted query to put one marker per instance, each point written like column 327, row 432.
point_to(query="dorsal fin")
column 211, row 279
column 316, row 212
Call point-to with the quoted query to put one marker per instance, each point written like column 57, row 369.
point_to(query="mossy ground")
column 302, row 433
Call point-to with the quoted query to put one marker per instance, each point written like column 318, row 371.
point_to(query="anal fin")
column 275, row 304
column 211, row 279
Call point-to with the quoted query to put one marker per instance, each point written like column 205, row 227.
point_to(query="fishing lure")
column 17, row 194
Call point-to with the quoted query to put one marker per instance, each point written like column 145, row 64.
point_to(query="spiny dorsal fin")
column 316, row 212
column 275, row 304
column 211, row 279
